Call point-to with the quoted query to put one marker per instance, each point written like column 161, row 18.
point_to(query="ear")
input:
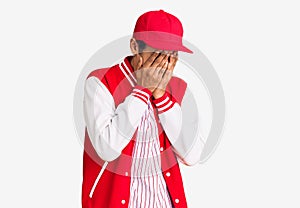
column 134, row 47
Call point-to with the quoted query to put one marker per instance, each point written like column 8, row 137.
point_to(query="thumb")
column 140, row 62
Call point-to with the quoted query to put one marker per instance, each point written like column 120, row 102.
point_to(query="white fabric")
column 110, row 129
column 148, row 187
column 183, row 132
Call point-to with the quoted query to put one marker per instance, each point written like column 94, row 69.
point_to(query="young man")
column 133, row 116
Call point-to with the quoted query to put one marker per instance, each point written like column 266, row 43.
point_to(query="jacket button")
column 176, row 201
column 161, row 149
column 123, row 201
column 126, row 173
column 168, row 174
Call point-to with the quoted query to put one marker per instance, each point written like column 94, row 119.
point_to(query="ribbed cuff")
column 142, row 93
column 163, row 103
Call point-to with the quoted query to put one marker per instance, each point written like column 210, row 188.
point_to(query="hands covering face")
column 157, row 71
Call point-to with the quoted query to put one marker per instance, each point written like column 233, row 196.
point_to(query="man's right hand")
column 151, row 72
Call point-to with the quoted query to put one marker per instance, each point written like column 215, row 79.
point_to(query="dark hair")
column 141, row 44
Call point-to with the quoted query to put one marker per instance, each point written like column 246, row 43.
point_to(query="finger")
column 173, row 61
column 164, row 68
column 174, row 55
column 159, row 60
column 163, row 61
column 140, row 63
column 167, row 75
column 151, row 59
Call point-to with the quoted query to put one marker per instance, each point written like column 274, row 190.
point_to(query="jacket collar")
column 127, row 70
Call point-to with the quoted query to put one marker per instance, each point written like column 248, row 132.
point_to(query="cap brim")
column 170, row 46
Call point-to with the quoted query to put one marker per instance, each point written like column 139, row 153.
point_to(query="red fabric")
column 176, row 89
column 160, row 30
column 139, row 91
column 114, row 186
column 164, row 103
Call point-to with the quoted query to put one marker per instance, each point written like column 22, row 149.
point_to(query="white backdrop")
column 253, row 45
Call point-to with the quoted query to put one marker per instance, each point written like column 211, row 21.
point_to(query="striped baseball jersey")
column 148, row 187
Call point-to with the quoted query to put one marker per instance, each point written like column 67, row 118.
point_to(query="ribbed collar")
column 128, row 71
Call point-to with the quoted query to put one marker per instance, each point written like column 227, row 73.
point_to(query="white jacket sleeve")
column 111, row 127
column 180, row 124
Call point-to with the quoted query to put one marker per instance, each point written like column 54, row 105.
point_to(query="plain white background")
column 253, row 45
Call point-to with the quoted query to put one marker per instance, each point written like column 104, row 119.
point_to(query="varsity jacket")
column 113, row 107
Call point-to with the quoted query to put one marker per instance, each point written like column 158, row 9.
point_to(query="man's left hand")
column 160, row 90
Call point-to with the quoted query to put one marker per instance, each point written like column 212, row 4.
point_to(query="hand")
column 160, row 90
column 150, row 73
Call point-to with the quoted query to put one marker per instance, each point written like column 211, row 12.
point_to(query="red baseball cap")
column 160, row 30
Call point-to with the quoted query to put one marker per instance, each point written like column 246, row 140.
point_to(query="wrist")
column 158, row 93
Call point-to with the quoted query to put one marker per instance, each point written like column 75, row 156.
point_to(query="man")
column 133, row 118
